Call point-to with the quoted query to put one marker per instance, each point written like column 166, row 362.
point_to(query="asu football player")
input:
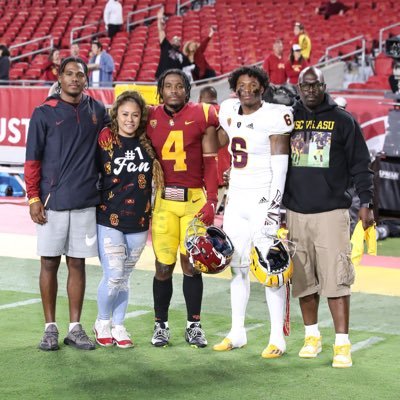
column 184, row 137
column 258, row 136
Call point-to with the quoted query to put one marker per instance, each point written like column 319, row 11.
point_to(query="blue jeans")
column 118, row 253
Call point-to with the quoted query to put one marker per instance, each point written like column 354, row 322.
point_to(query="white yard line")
column 20, row 303
column 366, row 343
column 135, row 314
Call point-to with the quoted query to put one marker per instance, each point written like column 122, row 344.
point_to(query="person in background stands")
column 209, row 95
column 75, row 52
column 50, row 72
column 274, row 65
column 331, row 7
column 102, row 66
column 195, row 53
column 303, row 40
column 61, row 177
column 295, row 65
column 113, row 17
column 4, row 64
column 170, row 55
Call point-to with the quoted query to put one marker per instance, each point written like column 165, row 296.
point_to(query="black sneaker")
column 78, row 338
column 49, row 340
column 161, row 335
column 195, row 336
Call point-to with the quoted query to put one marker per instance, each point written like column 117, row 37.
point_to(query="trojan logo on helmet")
column 210, row 249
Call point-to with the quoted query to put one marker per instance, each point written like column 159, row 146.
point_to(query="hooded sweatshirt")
column 328, row 155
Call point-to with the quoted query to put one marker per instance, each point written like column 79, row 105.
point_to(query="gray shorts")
column 71, row 232
column 322, row 262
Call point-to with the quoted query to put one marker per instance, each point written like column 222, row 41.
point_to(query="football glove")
column 273, row 212
column 207, row 213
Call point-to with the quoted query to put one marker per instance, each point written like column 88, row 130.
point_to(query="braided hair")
column 64, row 63
column 185, row 79
column 140, row 133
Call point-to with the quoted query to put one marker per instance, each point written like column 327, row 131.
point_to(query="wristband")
column 33, row 200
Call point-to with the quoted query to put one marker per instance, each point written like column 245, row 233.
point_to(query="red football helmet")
column 210, row 249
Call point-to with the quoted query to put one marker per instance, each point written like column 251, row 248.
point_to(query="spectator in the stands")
column 194, row 51
column 331, row 7
column 170, row 56
column 302, row 39
column 50, row 72
column 394, row 78
column 102, row 66
column 295, row 65
column 274, row 65
column 113, row 18
column 4, row 64
column 76, row 52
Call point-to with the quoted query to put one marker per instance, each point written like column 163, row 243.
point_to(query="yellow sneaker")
column 342, row 356
column 227, row 345
column 272, row 351
column 312, row 347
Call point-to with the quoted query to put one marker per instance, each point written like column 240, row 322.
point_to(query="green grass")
column 389, row 247
column 179, row 371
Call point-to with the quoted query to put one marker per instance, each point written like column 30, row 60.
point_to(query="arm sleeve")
column 34, row 153
column 358, row 159
column 108, row 63
column 211, row 177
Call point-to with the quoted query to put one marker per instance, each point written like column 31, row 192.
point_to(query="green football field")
column 182, row 372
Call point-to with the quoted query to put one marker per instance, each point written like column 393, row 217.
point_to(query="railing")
column 129, row 24
column 326, row 59
column 41, row 50
column 80, row 28
column 386, row 28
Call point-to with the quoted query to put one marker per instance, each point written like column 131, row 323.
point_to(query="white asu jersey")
column 249, row 142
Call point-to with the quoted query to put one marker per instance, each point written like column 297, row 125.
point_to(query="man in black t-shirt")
column 170, row 55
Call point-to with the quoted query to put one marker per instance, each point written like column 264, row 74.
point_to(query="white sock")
column 188, row 323
column 240, row 292
column 50, row 323
column 276, row 300
column 312, row 330
column 341, row 339
column 72, row 325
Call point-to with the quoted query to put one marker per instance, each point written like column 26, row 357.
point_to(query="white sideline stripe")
column 366, row 343
column 250, row 328
column 135, row 314
column 20, row 303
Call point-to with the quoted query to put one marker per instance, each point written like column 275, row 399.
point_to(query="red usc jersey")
column 177, row 141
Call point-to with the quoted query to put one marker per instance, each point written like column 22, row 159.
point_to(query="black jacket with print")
column 328, row 155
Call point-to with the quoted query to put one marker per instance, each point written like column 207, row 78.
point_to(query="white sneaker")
column 121, row 337
column 102, row 331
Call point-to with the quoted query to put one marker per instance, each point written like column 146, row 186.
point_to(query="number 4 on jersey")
column 173, row 149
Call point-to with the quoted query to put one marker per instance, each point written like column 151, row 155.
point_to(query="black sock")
column 193, row 292
column 162, row 294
